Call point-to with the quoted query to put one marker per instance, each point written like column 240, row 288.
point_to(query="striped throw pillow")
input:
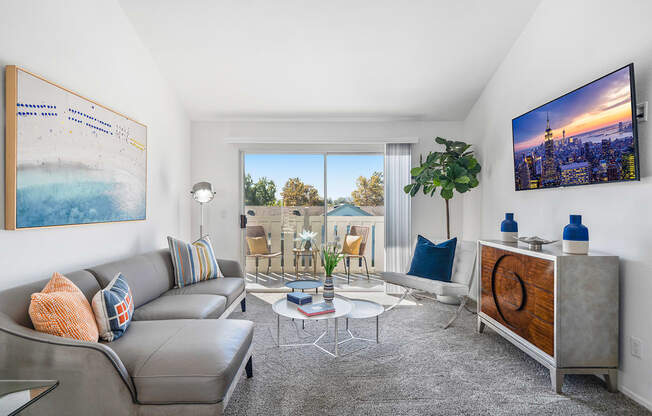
column 62, row 309
column 113, row 307
column 193, row 262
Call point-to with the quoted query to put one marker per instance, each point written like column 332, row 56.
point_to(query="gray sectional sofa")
column 178, row 356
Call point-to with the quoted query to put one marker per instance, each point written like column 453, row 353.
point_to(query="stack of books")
column 299, row 298
column 317, row 309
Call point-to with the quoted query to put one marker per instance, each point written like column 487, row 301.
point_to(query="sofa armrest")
column 230, row 268
column 86, row 371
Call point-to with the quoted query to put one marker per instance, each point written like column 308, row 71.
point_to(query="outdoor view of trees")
column 324, row 194
column 368, row 192
column 296, row 193
column 262, row 192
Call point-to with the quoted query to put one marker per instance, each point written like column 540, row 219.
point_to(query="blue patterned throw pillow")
column 433, row 261
column 193, row 262
column 113, row 307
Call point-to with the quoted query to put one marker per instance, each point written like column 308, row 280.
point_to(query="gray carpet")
column 417, row 369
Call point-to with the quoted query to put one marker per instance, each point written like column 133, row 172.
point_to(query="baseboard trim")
column 638, row 399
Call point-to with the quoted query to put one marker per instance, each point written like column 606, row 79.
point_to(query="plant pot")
column 329, row 289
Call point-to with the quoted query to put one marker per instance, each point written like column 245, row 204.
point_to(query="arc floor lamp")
column 203, row 193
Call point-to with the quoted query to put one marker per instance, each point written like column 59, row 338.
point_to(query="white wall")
column 91, row 48
column 218, row 162
column 565, row 45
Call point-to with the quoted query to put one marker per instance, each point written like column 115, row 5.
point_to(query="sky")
column 343, row 170
column 599, row 104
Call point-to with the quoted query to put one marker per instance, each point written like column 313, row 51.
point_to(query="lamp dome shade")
column 202, row 192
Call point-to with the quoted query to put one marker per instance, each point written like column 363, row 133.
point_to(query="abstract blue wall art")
column 69, row 160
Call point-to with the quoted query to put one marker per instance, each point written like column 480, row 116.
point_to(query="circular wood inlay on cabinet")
column 507, row 288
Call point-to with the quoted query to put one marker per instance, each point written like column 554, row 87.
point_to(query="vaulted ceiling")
column 328, row 59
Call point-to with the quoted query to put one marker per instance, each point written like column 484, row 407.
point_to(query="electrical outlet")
column 636, row 345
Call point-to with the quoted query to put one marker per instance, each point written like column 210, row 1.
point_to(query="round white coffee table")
column 363, row 309
column 289, row 310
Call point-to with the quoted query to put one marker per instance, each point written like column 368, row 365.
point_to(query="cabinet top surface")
column 551, row 251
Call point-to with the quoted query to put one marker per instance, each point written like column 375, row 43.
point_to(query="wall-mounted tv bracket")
column 641, row 111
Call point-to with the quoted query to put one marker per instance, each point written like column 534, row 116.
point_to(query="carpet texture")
column 417, row 369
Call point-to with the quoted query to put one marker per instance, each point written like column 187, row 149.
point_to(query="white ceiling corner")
column 339, row 60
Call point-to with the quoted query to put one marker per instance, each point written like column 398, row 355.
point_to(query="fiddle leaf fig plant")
column 454, row 169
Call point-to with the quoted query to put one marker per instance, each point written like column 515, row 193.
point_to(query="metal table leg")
column 353, row 337
column 296, row 266
column 334, row 353
column 336, row 344
column 377, row 329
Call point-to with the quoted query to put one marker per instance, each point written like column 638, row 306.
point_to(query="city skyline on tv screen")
column 584, row 137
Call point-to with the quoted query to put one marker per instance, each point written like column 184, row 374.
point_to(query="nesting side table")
column 363, row 309
column 289, row 310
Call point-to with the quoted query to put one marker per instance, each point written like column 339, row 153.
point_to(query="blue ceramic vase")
column 509, row 228
column 576, row 236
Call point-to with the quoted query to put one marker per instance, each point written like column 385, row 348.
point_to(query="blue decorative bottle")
column 509, row 228
column 576, row 236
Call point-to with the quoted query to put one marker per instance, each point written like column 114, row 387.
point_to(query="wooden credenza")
column 560, row 309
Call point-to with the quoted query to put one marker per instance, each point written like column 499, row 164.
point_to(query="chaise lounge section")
column 178, row 355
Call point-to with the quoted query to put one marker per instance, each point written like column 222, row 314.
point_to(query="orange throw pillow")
column 62, row 309
column 352, row 245
column 257, row 245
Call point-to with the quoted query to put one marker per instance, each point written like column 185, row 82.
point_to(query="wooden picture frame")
column 68, row 159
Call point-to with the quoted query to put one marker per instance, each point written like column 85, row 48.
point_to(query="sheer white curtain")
column 398, row 161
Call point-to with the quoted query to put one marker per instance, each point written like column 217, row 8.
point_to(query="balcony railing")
column 281, row 235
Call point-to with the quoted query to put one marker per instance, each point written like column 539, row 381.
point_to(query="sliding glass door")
column 292, row 198
column 355, row 191
column 283, row 201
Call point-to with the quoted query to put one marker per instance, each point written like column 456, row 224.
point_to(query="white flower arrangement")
column 307, row 239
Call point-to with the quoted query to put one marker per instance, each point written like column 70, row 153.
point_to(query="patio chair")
column 254, row 231
column 364, row 233
column 458, row 289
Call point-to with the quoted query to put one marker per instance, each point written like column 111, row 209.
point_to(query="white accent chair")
column 457, row 290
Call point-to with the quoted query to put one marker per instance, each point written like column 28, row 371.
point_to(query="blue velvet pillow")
column 433, row 261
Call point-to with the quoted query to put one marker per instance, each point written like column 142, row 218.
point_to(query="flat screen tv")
column 585, row 137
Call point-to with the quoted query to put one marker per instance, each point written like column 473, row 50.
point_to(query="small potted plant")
column 331, row 256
